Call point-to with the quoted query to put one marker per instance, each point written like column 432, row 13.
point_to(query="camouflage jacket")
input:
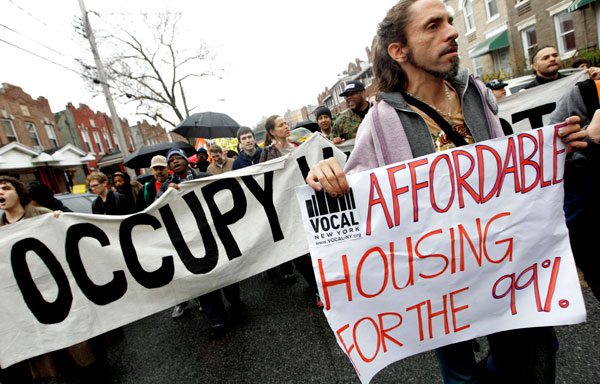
column 346, row 125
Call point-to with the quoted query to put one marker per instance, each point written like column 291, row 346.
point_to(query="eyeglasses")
column 94, row 186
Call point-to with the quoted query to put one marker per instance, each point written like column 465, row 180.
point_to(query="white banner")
column 444, row 248
column 531, row 108
column 66, row 280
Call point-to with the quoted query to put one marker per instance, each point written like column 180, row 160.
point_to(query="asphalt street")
column 283, row 338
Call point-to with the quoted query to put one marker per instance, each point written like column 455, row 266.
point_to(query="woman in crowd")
column 276, row 145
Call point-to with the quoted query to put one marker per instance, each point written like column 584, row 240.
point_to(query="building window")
column 478, row 66
column 86, row 140
column 469, row 19
column 565, row 32
column 529, row 44
column 98, row 143
column 9, row 129
column 33, row 135
column 92, row 123
column 131, row 143
column 51, row 135
column 491, row 8
column 108, row 143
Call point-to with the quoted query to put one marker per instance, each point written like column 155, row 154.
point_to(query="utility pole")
column 103, row 82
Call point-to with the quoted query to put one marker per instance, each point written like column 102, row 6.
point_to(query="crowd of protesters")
column 421, row 92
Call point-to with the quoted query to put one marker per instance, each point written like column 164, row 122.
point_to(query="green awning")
column 577, row 4
column 495, row 42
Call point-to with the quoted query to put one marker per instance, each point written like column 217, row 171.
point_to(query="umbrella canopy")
column 143, row 155
column 209, row 125
column 144, row 178
column 308, row 124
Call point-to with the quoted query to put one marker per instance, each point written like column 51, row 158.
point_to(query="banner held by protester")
column 445, row 248
column 66, row 280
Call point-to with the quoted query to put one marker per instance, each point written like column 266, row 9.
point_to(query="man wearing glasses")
column 107, row 202
column 347, row 123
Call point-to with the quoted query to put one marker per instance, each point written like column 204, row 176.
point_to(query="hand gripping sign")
column 445, row 248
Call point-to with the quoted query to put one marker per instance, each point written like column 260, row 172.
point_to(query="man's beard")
column 550, row 73
column 441, row 75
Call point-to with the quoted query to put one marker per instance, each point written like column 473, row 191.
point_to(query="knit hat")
column 322, row 110
column 176, row 151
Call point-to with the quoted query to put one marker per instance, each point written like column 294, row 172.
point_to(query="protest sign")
column 66, row 280
column 444, row 248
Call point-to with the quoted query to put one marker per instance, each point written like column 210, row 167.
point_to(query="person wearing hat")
column 122, row 183
column 212, row 302
column 497, row 86
column 347, row 123
column 202, row 162
column 160, row 173
column 324, row 119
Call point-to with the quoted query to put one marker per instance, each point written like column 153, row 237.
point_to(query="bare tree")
column 148, row 67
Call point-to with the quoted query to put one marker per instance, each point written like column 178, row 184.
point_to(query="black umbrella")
column 209, row 125
column 308, row 124
column 143, row 155
column 144, row 178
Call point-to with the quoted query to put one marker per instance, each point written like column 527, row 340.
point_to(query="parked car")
column 77, row 202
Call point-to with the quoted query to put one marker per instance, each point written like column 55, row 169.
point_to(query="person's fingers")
column 574, row 136
column 330, row 175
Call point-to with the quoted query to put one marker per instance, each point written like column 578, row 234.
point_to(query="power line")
column 29, row 38
column 33, row 17
column 48, row 60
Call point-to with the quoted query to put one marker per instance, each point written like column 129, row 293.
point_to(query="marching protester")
column 87, row 356
column 324, row 119
column 428, row 105
column 221, row 163
column 160, row 173
column 581, row 182
column 107, row 202
column 122, row 183
column 249, row 152
column 347, row 123
column 546, row 63
column 202, row 162
column 42, row 196
column 210, row 303
column 277, row 144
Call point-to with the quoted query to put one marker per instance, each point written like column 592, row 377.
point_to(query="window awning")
column 495, row 42
column 577, row 4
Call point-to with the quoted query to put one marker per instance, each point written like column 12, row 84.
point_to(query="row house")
column 93, row 133
column 497, row 38
column 31, row 147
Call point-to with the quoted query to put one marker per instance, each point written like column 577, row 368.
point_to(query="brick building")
column 497, row 37
column 31, row 147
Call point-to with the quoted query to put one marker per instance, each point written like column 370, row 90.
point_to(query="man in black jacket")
column 147, row 194
column 249, row 151
column 107, row 202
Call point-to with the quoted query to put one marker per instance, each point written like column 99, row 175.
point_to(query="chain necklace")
column 446, row 116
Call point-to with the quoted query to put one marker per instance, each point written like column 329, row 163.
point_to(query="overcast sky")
column 276, row 55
